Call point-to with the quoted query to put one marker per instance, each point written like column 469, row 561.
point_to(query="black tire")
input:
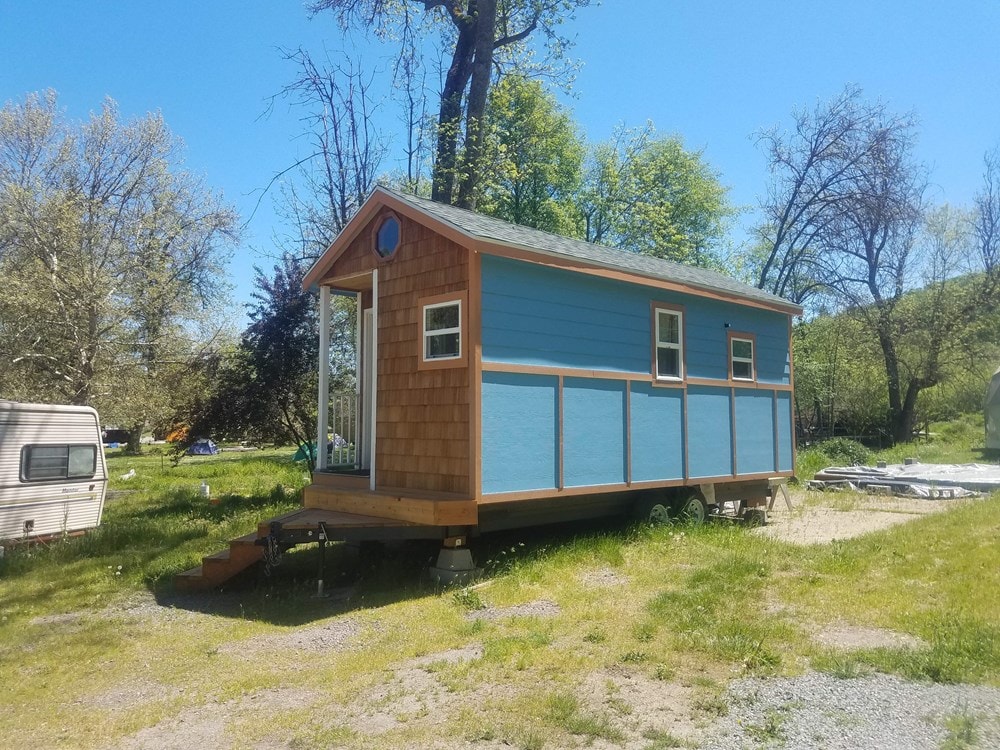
column 653, row 510
column 755, row 517
column 691, row 508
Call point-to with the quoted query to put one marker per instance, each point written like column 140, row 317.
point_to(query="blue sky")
column 712, row 72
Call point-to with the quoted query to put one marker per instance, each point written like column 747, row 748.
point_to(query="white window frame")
column 678, row 345
column 733, row 359
column 428, row 335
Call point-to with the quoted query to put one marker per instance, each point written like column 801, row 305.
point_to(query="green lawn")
column 686, row 606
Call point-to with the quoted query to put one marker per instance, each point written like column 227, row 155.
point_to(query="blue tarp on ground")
column 203, row 448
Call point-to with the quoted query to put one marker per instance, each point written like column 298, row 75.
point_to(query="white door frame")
column 370, row 388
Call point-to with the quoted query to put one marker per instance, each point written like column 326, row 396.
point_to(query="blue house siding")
column 657, row 420
column 541, row 316
column 594, row 440
column 710, row 432
column 569, row 427
column 537, row 315
column 754, row 431
column 520, row 421
column 785, row 462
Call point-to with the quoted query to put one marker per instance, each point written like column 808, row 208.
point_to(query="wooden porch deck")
column 427, row 508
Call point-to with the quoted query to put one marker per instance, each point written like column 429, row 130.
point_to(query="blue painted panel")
column 785, row 458
column 520, row 448
column 754, row 432
column 657, row 433
column 533, row 314
column 593, row 432
column 709, row 432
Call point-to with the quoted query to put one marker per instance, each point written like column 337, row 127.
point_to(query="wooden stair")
column 218, row 568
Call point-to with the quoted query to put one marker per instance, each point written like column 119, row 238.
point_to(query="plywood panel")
column 710, row 432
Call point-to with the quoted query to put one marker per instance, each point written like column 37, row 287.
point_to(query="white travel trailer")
column 53, row 477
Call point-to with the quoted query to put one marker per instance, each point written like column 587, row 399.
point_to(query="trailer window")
column 443, row 330
column 42, row 463
column 741, row 359
column 668, row 350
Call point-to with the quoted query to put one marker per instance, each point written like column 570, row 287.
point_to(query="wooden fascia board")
column 381, row 198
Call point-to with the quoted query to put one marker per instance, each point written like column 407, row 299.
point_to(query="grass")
column 690, row 606
column 959, row 441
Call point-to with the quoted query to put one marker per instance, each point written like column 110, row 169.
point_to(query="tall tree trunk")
column 134, row 445
column 899, row 422
column 482, row 67
column 450, row 113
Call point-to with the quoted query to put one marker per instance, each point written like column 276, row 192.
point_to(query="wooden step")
column 218, row 568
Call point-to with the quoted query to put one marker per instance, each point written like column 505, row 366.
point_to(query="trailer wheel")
column 691, row 508
column 652, row 510
column 755, row 517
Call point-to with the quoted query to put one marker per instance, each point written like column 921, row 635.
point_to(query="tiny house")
column 507, row 371
column 53, row 476
column 510, row 377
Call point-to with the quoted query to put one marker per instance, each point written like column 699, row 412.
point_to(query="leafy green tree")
column 648, row 194
column 266, row 386
column 478, row 37
column 112, row 258
column 535, row 167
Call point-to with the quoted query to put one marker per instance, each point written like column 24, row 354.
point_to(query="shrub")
column 845, row 452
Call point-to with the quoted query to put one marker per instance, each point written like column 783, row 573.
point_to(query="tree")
column 346, row 152
column 846, row 216
column 648, row 194
column 536, row 159
column 481, row 36
column 110, row 255
column 812, row 170
column 265, row 388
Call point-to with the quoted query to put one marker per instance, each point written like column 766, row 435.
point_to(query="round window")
column 387, row 237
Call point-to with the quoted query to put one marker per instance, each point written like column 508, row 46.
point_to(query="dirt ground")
column 819, row 518
column 414, row 693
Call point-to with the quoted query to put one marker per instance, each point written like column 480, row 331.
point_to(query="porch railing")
column 344, row 421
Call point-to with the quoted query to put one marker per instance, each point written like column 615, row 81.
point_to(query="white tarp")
column 936, row 478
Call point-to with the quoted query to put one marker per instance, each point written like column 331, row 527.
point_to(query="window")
column 669, row 349
column 40, row 463
column 741, row 357
column 443, row 330
column 387, row 237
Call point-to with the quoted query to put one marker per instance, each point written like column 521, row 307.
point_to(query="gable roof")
column 485, row 231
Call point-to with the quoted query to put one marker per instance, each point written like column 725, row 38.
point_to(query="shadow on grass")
column 376, row 574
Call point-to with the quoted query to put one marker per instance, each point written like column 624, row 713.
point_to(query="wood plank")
column 426, row 510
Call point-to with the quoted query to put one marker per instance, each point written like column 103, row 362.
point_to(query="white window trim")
column 442, row 331
column 733, row 359
column 679, row 346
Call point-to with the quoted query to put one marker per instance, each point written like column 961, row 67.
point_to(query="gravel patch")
column 331, row 636
column 853, row 637
column 131, row 694
column 602, row 578
column 879, row 711
column 206, row 726
column 537, row 608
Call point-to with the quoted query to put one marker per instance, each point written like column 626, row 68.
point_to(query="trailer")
column 53, row 477
column 508, row 377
